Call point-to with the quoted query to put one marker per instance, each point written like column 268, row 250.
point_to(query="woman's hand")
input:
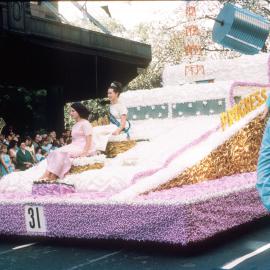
column 28, row 165
column 264, row 114
column 84, row 154
column 117, row 132
column 122, row 125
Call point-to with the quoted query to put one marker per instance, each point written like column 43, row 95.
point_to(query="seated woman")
column 118, row 118
column 118, row 111
column 30, row 147
column 82, row 145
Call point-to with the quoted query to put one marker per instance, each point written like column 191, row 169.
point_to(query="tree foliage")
column 99, row 111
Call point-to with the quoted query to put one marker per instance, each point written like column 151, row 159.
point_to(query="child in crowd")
column 6, row 165
column 46, row 145
column 40, row 154
column 55, row 145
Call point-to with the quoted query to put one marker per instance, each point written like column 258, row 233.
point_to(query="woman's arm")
column 87, row 146
column 11, row 153
column 122, row 125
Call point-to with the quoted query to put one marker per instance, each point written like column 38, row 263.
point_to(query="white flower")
column 118, row 138
column 134, row 116
column 204, row 103
column 180, row 113
column 220, row 102
column 82, row 161
column 198, row 113
column 130, row 161
column 190, row 105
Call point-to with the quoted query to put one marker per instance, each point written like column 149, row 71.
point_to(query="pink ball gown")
column 59, row 161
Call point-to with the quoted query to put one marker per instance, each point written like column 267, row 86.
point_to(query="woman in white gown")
column 118, row 118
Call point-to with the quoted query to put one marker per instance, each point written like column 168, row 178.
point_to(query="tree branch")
column 200, row 18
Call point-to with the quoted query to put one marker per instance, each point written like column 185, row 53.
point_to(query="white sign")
column 35, row 219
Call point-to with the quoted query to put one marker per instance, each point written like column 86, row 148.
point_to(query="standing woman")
column 12, row 151
column 82, row 145
column 31, row 148
column 263, row 167
column 118, row 111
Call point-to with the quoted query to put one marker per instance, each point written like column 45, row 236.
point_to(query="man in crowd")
column 24, row 159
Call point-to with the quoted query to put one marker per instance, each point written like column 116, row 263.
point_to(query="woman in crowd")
column 82, row 145
column 37, row 141
column 30, row 147
column 12, row 151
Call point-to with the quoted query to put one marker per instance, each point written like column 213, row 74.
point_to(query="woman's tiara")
column 114, row 85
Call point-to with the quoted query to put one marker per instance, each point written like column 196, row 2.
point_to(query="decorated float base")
column 188, row 215
column 183, row 186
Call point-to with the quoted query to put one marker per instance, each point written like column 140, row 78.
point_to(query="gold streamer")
column 115, row 148
column 79, row 169
column 239, row 154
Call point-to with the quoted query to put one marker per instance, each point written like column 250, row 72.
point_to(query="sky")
column 129, row 13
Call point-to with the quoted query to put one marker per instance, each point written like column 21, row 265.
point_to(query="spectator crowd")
column 20, row 153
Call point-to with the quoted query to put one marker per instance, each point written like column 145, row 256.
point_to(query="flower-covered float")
column 193, row 178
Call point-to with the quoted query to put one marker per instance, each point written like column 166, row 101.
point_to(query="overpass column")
column 55, row 109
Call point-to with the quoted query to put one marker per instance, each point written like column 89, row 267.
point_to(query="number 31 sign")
column 35, row 219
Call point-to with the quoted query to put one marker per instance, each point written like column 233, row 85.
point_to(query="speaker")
column 240, row 29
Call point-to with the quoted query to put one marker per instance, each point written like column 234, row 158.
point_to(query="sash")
column 114, row 121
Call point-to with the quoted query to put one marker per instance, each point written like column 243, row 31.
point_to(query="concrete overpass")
column 71, row 63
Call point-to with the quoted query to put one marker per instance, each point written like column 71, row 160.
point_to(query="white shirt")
column 118, row 109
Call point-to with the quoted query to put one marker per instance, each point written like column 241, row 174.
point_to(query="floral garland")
column 83, row 161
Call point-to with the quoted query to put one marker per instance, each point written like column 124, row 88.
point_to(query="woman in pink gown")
column 59, row 161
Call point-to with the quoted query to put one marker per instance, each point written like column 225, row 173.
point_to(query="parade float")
column 189, row 173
